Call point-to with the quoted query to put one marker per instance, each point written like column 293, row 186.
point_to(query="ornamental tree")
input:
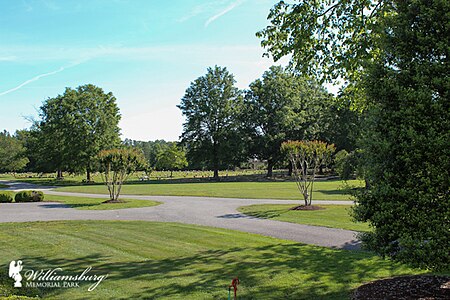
column 306, row 158
column 117, row 165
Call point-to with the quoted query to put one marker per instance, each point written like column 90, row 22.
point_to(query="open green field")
column 323, row 190
column 147, row 260
column 87, row 203
column 335, row 216
column 76, row 179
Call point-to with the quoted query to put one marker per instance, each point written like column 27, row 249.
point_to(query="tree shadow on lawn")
column 277, row 271
column 267, row 214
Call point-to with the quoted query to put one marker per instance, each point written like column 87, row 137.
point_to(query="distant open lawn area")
column 97, row 203
column 148, row 260
column 323, row 190
column 336, row 216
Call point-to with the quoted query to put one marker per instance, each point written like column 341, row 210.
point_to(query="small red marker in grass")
column 234, row 284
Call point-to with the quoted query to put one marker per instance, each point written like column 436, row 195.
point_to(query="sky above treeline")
column 146, row 52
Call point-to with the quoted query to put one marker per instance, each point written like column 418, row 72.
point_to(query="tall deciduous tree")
column 12, row 153
column 75, row 126
column 211, row 106
column 283, row 106
column 399, row 52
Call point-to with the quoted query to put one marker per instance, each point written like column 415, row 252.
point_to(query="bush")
column 6, row 197
column 29, row 196
column 345, row 164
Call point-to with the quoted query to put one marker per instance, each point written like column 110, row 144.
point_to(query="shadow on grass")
column 277, row 271
column 268, row 214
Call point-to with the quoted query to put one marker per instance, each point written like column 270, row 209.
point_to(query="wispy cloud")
column 35, row 78
column 222, row 12
column 8, row 58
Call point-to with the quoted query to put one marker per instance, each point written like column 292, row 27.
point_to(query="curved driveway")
column 215, row 212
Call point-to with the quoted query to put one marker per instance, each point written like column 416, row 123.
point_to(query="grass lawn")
column 336, row 216
column 148, row 260
column 96, row 203
column 324, row 190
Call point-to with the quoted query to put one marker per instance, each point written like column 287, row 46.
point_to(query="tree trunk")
column 269, row 168
column 88, row 172
column 59, row 174
column 171, row 173
column 215, row 161
column 290, row 169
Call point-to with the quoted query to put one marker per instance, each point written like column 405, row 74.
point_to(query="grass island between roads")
column 335, row 216
column 148, row 260
column 89, row 203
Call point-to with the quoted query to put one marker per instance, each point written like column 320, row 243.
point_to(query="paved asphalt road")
column 215, row 212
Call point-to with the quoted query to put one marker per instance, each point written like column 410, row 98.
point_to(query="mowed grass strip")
column 148, row 260
column 87, row 203
column 323, row 190
column 335, row 216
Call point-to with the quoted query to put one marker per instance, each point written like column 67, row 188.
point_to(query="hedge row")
column 23, row 196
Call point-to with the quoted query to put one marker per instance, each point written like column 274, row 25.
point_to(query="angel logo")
column 14, row 272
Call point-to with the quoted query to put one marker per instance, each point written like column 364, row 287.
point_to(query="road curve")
column 215, row 212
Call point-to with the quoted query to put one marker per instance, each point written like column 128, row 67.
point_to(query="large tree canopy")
column 12, row 153
column 406, row 143
column 75, row 126
column 211, row 106
column 282, row 106
column 326, row 38
column 399, row 52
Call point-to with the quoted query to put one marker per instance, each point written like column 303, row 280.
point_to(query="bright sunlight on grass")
column 97, row 203
column 336, row 216
column 147, row 260
column 323, row 190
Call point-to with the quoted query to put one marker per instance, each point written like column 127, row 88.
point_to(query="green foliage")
column 6, row 197
column 118, row 165
column 396, row 54
column 406, row 141
column 29, row 196
column 171, row 158
column 345, row 164
column 12, row 153
column 150, row 149
column 327, row 39
column 212, row 108
column 283, row 106
column 74, row 127
column 306, row 158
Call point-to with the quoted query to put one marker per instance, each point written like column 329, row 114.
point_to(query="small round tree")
column 117, row 165
column 306, row 158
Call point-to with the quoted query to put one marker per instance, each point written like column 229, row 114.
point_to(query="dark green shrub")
column 346, row 164
column 6, row 197
column 38, row 196
column 29, row 196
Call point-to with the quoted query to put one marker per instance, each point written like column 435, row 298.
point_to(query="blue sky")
column 145, row 52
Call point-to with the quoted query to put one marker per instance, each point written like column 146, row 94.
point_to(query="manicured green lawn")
column 324, row 190
column 147, row 260
column 336, row 216
column 97, row 203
